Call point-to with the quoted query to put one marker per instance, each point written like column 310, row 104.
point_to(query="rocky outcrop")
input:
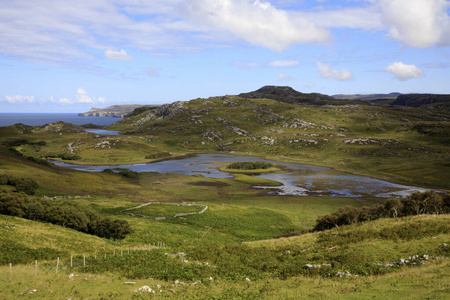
column 115, row 111
column 288, row 95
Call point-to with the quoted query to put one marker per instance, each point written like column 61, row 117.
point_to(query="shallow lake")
column 299, row 180
column 103, row 131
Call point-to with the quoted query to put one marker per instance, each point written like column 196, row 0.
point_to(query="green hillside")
column 195, row 237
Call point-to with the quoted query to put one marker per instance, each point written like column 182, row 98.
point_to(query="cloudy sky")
column 69, row 56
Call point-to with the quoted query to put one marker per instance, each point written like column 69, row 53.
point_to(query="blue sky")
column 69, row 56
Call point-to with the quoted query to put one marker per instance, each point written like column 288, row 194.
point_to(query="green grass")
column 230, row 266
column 256, row 181
column 244, row 233
column 164, row 210
column 402, row 152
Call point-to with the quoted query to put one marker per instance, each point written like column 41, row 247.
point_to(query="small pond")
column 103, row 131
column 299, row 180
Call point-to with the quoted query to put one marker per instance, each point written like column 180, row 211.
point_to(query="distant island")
column 115, row 111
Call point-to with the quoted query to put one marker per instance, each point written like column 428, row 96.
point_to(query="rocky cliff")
column 115, row 111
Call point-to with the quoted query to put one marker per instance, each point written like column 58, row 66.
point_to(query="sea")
column 39, row 119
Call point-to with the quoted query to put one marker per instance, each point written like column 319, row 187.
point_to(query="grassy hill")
column 395, row 143
column 245, row 244
column 269, row 269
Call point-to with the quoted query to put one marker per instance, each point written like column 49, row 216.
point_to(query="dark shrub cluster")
column 25, row 185
column 20, row 142
column 63, row 156
column 124, row 172
column 250, row 165
column 418, row 203
column 40, row 161
column 157, row 155
column 68, row 215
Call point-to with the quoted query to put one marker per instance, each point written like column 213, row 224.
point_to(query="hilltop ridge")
column 288, row 95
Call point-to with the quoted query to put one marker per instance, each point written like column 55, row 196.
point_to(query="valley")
column 164, row 164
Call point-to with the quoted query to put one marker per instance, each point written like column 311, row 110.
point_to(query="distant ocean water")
column 40, row 119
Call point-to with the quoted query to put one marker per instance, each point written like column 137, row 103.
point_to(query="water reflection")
column 103, row 131
column 299, row 180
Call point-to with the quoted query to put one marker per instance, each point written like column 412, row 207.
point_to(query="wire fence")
column 68, row 263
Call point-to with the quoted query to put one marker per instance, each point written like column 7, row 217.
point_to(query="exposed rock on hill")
column 115, row 111
column 288, row 95
column 417, row 100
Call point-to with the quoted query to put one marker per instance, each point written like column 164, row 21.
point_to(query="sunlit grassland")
column 244, row 233
column 427, row 282
column 38, row 235
column 354, row 247
column 256, row 181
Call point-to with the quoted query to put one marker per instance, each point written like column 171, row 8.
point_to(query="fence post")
column 57, row 265
column 35, row 268
column 71, row 261
column 121, row 252
column 10, row 272
column 84, row 260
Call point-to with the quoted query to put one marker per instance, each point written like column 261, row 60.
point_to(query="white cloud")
column 284, row 77
column 403, row 71
column 367, row 18
column 257, row 23
column 418, row 23
column 19, row 99
column 80, row 97
column 119, row 55
column 325, row 71
column 283, row 63
column 49, row 32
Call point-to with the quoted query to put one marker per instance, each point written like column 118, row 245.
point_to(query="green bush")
column 158, row 155
column 253, row 165
column 418, row 203
column 25, row 185
column 40, row 161
column 129, row 174
column 63, row 156
column 70, row 215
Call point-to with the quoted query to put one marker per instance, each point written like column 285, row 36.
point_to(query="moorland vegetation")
column 248, row 243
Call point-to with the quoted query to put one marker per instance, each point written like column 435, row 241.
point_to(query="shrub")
column 25, row 185
column 129, row 174
column 68, row 215
column 158, row 155
column 254, row 165
column 40, row 161
column 418, row 203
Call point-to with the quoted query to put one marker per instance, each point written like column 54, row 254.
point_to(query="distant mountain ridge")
column 417, row 100
column 115, row 111
column 393, row 95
